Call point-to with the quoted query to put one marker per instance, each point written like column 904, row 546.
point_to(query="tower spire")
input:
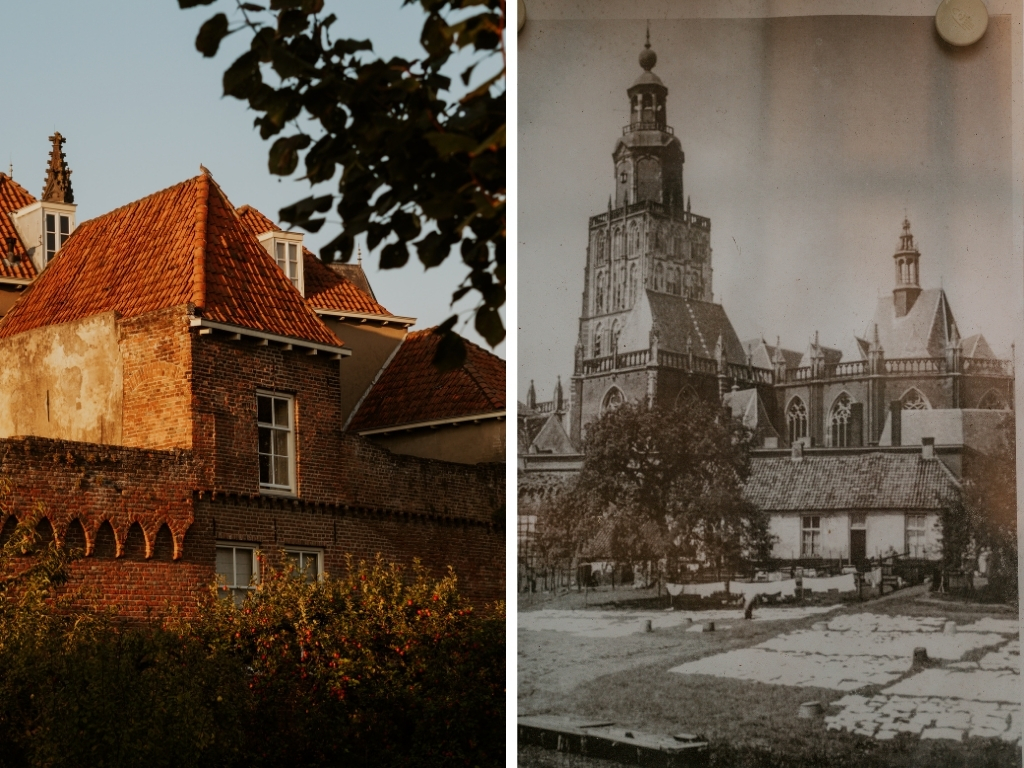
column 907, row 261
column 57, row 187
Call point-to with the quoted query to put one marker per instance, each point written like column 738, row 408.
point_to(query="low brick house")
column 175, row 401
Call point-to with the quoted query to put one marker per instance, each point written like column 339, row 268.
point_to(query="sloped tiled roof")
column 12, row 197
column 411, row 390
column 354, row 274
column 922, row 332
column 747, row 406
column 862, row 481
column 325, row 288
column 552, row 438
column 829, row 355
column 182, row 245
column 976, row 346
column 701, row 323
column 763, row 354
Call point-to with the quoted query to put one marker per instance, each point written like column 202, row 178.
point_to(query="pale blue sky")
column 141, row 109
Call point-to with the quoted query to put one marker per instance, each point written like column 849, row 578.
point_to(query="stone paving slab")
column 884, row 717
column 896, row 644
column 841, row 673
column 1003, row 626
column 977, row 685
column 873, row 622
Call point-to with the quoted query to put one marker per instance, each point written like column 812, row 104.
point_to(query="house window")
column 237, row 570
column 274, row 414
column 58, row 230
column 810, row 542
column 307, row 562
column 915, row 535
column 287, row 257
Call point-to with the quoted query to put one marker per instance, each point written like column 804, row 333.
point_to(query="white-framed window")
column 307, row 562
column 287, row 257
column 58, row 230
column 275, row 417
column 237, row 570
column 916, row 529
column 810, row 541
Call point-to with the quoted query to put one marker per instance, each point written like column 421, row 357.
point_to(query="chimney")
column 927, row 447
column 798, row 451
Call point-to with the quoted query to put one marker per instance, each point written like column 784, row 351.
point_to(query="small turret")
column 907, row 260
column 531, row 396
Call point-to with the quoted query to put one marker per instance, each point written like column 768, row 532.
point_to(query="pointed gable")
column 923, row 332
column 183, row 245
column 762, row 354
column 411, row 390
column 552, row 438
column 326, row 288
column 13, row 196
column 976, row 346
column 681, row 322
column 747, row 406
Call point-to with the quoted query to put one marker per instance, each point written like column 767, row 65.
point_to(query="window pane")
column 279, row 254
column 65, row 225
column 281, row 471
column 265, row 439
column 51, row 242
column 312, row 566
column 263, row 408
column 280, row 443
column 281, row 413
column 265, row 469
column 51, row 223
column 243, row 566
column 225, row 565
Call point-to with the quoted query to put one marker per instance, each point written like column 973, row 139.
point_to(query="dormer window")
column 286, row 250
column 58, row 230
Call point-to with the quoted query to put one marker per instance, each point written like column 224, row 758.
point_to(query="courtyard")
column 741, row 685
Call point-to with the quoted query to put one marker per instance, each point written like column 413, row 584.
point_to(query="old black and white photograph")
column 770, row 286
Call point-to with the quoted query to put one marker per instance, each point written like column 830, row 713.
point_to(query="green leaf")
column 194, row 3
column 394, row 255
column 494, row 141
column 284, row 154
column 252, row 7
column 447, row 144
column 450, row 354
column 242, row 76
column 488, row 324
column 291, row 23
column 211, row 33
column 341, row 246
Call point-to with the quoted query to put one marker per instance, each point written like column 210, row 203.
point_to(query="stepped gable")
column 923, row 332
column 865, row 481
column 411, row 390
column 182, row 245
column 12, row 197
column 326, row 288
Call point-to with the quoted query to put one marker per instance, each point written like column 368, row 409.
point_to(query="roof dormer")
column 286, row 248
column 45, row 226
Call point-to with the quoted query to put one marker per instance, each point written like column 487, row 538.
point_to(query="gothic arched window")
column 617, row 243
column 613, row 399
column 632, row 284
column 599, row 293
column 992, row 401
column 598, row 335
column 616, row 293
column 796, row 418
column 633, row 246
column 677, row 246
column 613, row 338
column 840, row 420
column 601, row 248
column 913, row 400
column 659, row 278
column 672, row 284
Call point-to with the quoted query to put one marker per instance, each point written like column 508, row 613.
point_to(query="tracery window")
column 632, row 285
column 914, row 401
column 796, row 417
column 598, row 333
column 599, row 297
column 617, row 243
column 613, row 399
column 839, row 421
column 659, row 278
column 601, row 248
column 672, row 285
column 634, row 240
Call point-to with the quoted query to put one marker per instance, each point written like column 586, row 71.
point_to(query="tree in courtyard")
column 982, row 518
column 420, row 167
column 667, row 483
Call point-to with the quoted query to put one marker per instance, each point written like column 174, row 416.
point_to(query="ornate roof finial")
column 648, row 58
column 57, row 186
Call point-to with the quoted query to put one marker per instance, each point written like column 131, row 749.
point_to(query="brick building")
column 176, row 393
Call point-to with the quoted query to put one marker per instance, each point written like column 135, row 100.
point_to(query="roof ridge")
column 202, row 215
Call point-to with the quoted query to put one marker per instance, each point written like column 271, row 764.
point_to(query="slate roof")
column 325, row 288
column 702, row 322
column 411, row 390
column 830, row 355
column 12, row 197
column 976, row 346
column 551, row 438
column 354, row 274
column 763, row 354
column 923, row 332
column 861, row 481
column 182, row 245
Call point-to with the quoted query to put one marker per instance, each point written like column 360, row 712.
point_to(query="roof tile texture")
column 411, row 390
column 12, row 197
column 863, row 481
column 182, row 245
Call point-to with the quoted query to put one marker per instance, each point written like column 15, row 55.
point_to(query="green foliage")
column 667, row 482
column 378, row 668
column 420, row 170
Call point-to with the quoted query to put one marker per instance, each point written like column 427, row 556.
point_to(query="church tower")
column 908, row 285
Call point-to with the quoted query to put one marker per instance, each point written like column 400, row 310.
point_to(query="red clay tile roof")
column 411, row 390
column 325, row 288
column 182, row 245
column 12, row 197
column 858, row 481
